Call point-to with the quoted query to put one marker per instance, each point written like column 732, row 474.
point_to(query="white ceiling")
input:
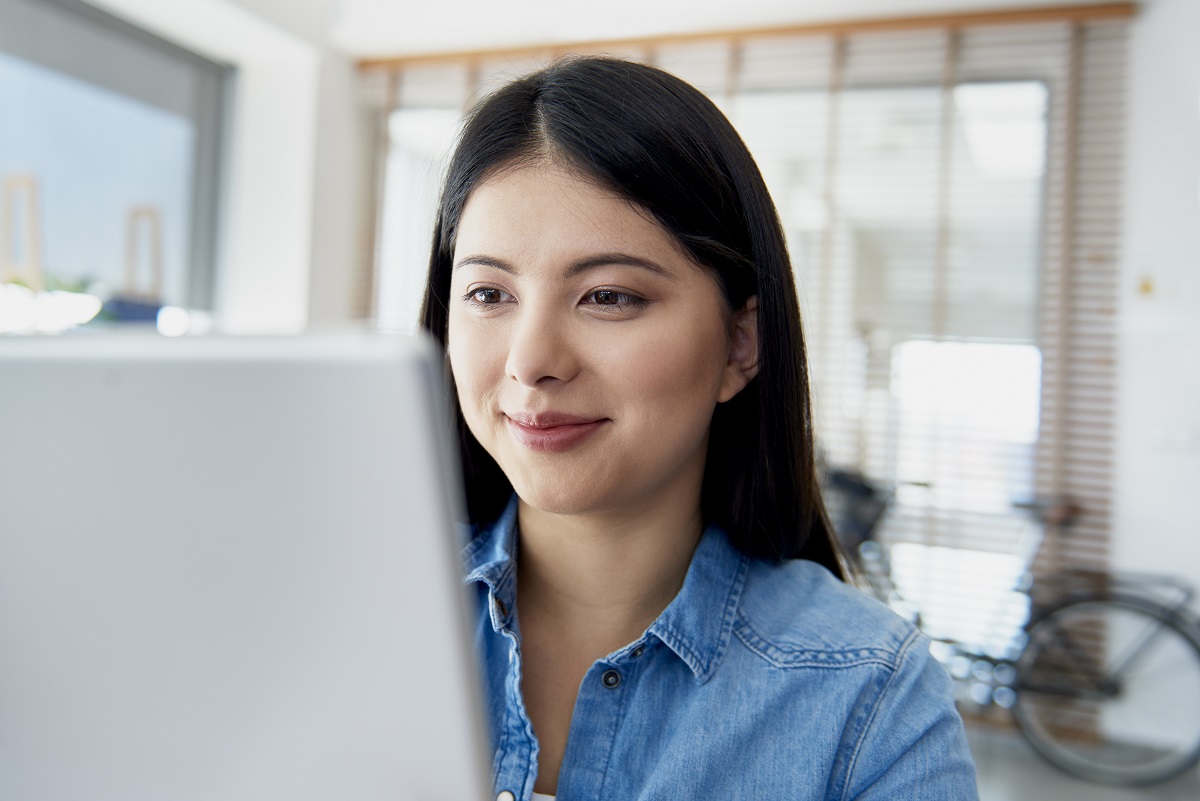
column 364, row 28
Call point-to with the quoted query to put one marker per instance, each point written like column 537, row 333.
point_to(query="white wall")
column 340, row 185
column 291, row 214
column 1157, row 523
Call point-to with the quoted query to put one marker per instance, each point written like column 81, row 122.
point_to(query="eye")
column 487, row 296
column 609, row 297
column 612, row 299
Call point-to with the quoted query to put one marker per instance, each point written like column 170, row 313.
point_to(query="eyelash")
column 624, row 300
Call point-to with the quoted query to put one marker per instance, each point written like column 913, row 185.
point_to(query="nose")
column 541, row 350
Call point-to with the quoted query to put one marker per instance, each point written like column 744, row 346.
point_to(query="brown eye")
column 607, row 297
column 613, row 301
column 487, row 295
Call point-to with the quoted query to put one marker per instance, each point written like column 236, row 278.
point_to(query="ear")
column 743, row 351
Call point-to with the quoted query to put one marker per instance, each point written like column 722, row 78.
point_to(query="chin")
column 567, row 498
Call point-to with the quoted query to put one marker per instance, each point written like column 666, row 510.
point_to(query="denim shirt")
column 758, row 681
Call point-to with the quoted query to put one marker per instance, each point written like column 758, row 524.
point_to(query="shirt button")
column 505, row 795
column 637, row 652
column 611, row 679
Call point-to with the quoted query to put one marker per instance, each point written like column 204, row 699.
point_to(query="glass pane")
column 420, row 140
column 79, row 164
column 887, row 197
column 966, row 424
column 999, row 154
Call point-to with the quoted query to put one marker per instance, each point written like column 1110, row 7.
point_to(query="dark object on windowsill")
column 130, row 309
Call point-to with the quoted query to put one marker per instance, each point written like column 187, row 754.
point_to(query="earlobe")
column 742, row 366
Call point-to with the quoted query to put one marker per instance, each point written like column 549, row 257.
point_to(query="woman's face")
column 588, row 350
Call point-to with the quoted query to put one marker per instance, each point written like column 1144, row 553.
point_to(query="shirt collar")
column 696, row 625
column 489, row 558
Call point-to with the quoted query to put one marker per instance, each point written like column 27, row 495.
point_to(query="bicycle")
column 1104, row 679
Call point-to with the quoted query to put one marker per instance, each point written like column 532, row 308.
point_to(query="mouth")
column 552, row 432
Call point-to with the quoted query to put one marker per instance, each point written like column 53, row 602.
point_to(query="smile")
column 551, row 433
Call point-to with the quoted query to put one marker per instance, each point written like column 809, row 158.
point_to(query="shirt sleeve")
column 913, row 744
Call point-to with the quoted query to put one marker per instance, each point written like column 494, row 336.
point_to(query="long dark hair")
column 661, row 143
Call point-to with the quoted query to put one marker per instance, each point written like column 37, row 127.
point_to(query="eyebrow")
column 576, row 268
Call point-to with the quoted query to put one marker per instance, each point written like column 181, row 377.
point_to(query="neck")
column 613, row 573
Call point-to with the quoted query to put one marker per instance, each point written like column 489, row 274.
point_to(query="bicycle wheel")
column 1108, row 689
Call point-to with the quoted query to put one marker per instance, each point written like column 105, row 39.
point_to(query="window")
column 919, row 265
column 418, row 134
column 109, row 156
column 950, row 199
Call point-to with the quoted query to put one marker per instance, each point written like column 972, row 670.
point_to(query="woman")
column 662, row 607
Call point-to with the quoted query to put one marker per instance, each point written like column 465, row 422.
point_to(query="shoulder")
column 797, row 613
column 833, row 656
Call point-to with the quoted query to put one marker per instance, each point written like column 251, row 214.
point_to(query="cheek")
column 476, row 361
column 464, row 361
column 675, row 378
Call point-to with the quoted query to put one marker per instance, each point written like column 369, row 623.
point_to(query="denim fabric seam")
column 733, row 605
column 704, row 668
column 498, row 757
column 473, row 546
column 502, row 749
column 678, row 643
column 618, row 719
column 901, row 654
column 518, row 703
column 784, row 656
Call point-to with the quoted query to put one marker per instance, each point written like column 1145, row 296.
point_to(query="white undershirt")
column 540, row 797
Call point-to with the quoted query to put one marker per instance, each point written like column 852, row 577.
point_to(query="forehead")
column 545, row 208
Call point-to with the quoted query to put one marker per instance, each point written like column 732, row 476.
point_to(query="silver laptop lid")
column 229, row 570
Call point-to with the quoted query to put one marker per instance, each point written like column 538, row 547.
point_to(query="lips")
column 552, row 432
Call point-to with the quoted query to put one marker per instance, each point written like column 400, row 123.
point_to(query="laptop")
column 229, row 570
